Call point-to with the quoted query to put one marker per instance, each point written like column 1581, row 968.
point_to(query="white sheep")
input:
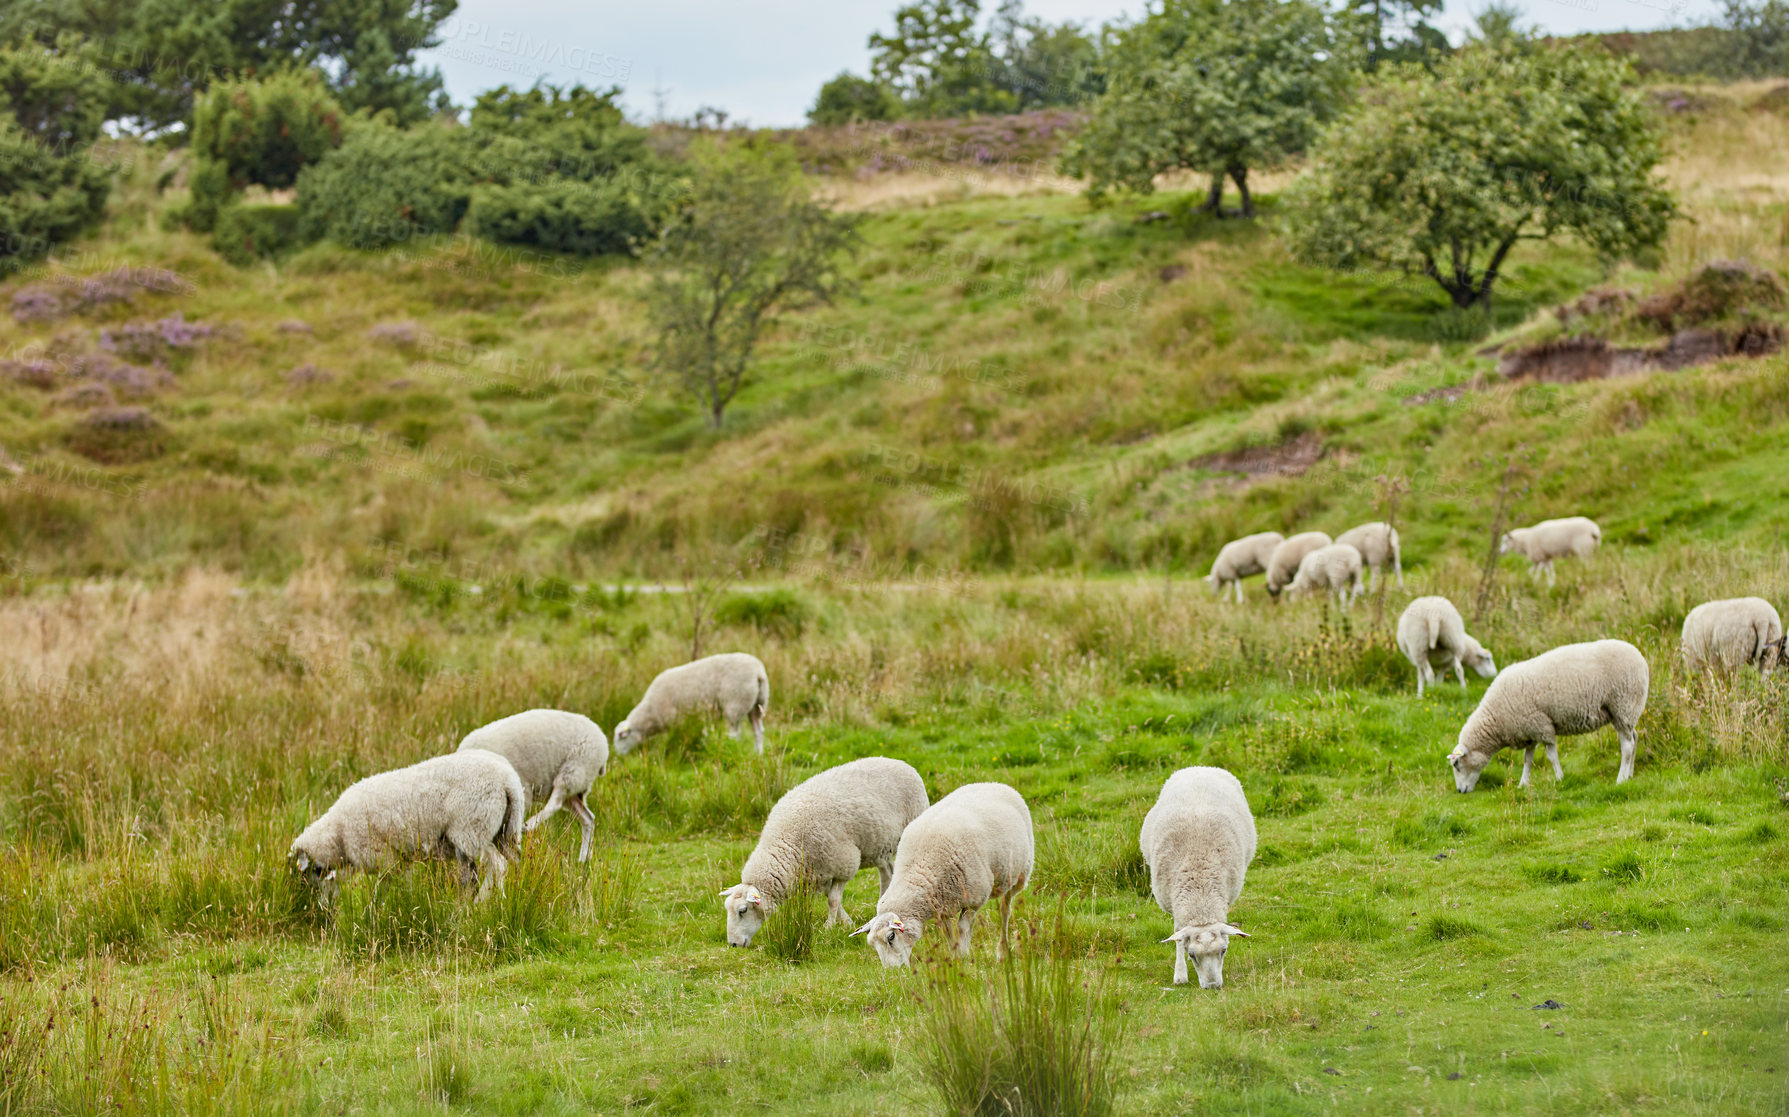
column 465, row 805
column 557, row 754
column 1241, row 558
column 733, row 682
column 1431, row 634
column 1198, row 840
column 1378, row 546
column 1551, row 539
column 1282, row 565
column 1335, row 568
column 1733, row 633
column 1578, row 688
column 826, row 829
column 971, row 845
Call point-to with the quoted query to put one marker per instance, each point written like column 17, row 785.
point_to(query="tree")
column 1499, row 24
column 1443, row 173
column 258, row 133
column 937, row 62
column 1218, row 87
column 162, row 53
column 51, row 188
column 1759, row 33
column 1397, row 30
column 1043, row 65
column 849, row 99
column 748, row 245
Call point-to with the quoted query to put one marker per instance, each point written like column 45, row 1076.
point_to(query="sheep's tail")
column 1434, row 631
column 509, row 838
column 763, row 693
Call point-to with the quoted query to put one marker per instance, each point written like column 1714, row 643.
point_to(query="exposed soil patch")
column 1570, row 360
column 1289, row 458
column 1438, row 395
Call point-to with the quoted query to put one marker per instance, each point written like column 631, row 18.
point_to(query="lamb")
column 1198, row 840
column 973, row 844
column 1573, row 689
column 826, row 829
column 1241, row 558
column 1733, row 633
column 1551, row 539
column 465, row 805
column 733, row 681
column 1282, row 565
column 1335, row 568
column 1431, row 634
column 1378, row 545
column 557, row 754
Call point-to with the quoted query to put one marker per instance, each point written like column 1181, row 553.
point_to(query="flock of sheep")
column 942, row 862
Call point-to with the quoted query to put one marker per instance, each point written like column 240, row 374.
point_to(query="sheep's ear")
column 1235, row 932
column 331, row 875
column 728, row 891
column 864, row 930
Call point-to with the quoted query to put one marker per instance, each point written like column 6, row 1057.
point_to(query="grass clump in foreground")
column 1035, row 1036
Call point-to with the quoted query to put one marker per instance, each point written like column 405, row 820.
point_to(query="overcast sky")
column 764, row 60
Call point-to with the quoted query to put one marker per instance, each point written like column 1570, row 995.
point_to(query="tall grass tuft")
column 793, row 931
column 1036, row 1037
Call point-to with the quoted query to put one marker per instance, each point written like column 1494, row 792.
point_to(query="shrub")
column 46, row 199
column 562, row 215
column 1034, row 1038
column 245, row 234
column 258, row 132
column 383, row 187
column 777, row 611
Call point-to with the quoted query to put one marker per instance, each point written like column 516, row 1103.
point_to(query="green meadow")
column 961, row 516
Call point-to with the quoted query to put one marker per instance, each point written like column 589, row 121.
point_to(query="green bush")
column 245, row 234
column 776, row 611
column 384, row 186
column 561, row 215
column 260, row 133
column 51, row 188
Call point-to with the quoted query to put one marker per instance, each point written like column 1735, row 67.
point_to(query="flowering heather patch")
column 87, row 394
column 403, row 335
column 36, row 304
column 86, row 294
column 149, row 340
column 33, row 374
column 308, row 373
column 1023, row 143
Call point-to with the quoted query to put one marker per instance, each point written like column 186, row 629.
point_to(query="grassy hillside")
column 386, row 498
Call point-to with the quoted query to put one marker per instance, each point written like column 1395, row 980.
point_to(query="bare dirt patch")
column 1289, row 458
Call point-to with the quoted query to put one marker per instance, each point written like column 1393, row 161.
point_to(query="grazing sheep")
column 465, row 805
column 1335, row 568
column 1241, row 558
column 1198, row 840
column 973, row 844
column 1282, row 565
column 1378, row 545
column 1731, row 634
column 1573, row 689
column 1431, row 634
column 557, row 754
column 733, row 681
column 1551, row 539
column 826, row 829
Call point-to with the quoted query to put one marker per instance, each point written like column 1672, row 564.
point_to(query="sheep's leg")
column 1550, row 578
column 964, row 922
column 884, row 874
column 468, row 870
column 1180, row 961
column 1006, row 919
column 1238, row 585
column 1553, row 757
column 835, row 903
column 1629, row 746
column 554, row 802
column 585, row 817
column 1527, row 763
column 1372, row 578
column 1460, row 671
column 758, row 729
column 494, row 868
column 1419, row 679
column 1397, row 565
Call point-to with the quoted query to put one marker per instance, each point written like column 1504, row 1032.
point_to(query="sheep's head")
column 310, row 872
column 1466, row 765
column 893, row 937
column 1207, row 943
column 1478, row 657
column 746, row 909
column 625, row 738
column 1506, row 544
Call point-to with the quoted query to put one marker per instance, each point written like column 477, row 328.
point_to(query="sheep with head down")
column 1198, row 840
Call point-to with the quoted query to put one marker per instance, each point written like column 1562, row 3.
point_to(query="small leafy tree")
column 1443, row 174
column 849, row 99
column 748, row 244
column 1397, row 30
column 938, row 62
column 1219, row 87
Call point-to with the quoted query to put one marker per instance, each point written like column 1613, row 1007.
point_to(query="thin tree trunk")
column 1214, row 200
column 1241, row 175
